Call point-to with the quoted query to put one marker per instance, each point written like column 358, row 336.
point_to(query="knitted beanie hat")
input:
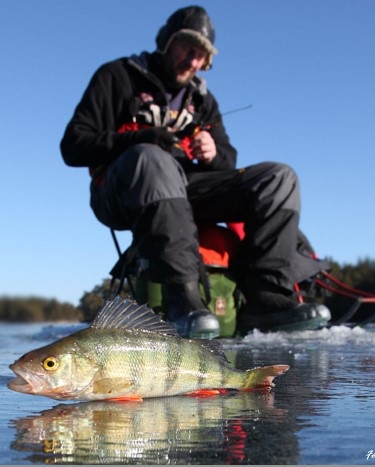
column 191, row 23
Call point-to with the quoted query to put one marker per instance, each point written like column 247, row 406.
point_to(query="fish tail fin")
column 262, row 377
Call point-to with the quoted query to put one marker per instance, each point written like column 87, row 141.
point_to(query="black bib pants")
column 146, row 191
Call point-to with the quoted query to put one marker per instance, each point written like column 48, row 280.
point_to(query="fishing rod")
column 194, row 127
column 228, row 112
column 238, row 109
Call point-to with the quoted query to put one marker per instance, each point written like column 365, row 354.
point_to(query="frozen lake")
column 321, row 411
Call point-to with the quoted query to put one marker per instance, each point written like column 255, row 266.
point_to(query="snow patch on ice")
column 336, row 335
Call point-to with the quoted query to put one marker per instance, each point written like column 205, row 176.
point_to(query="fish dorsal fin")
column 127, row 314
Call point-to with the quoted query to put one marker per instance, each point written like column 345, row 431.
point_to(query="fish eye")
column 50, row 363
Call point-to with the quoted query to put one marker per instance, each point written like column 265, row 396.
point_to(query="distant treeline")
column 361, row 276
column 37, row 309
column 28, row 309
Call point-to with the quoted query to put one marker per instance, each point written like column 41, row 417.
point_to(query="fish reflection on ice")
column 157, row 431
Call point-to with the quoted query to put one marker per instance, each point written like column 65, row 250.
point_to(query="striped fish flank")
column 129, row 353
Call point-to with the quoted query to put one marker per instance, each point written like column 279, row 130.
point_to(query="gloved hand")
column 155, row 135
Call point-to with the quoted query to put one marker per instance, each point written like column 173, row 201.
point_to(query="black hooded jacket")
column 116, row 95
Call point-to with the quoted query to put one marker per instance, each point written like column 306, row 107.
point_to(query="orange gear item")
column 217, row 244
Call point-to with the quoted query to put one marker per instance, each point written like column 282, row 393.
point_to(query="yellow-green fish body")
column 128, row 352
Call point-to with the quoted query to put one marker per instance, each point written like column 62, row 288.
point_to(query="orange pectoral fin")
column 203, row 393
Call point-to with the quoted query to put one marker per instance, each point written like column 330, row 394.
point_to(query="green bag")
column 224, row 301
column 149, row 293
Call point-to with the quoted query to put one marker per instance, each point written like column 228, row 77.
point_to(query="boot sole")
column 299, row 319
column 204, row 335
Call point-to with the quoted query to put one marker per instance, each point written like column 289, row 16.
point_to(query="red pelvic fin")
column 127, row 398
column 226, row 391
column 203, row 393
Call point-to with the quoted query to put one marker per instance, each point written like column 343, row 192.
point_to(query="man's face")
column 182, row 61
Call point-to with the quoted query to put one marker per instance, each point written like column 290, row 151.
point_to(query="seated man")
column 160, row 159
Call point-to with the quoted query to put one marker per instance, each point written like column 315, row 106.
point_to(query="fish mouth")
column 20, row 383
column 34, row 384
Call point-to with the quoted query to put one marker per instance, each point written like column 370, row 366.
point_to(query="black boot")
column 272, row 308
column 185, row 309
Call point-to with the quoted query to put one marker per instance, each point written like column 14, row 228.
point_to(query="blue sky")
column 306, row 66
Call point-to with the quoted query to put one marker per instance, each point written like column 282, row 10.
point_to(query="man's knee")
column 278, row 170
column 150, row 174
column 286, row 173
column 286, row 187
column 275, row 185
